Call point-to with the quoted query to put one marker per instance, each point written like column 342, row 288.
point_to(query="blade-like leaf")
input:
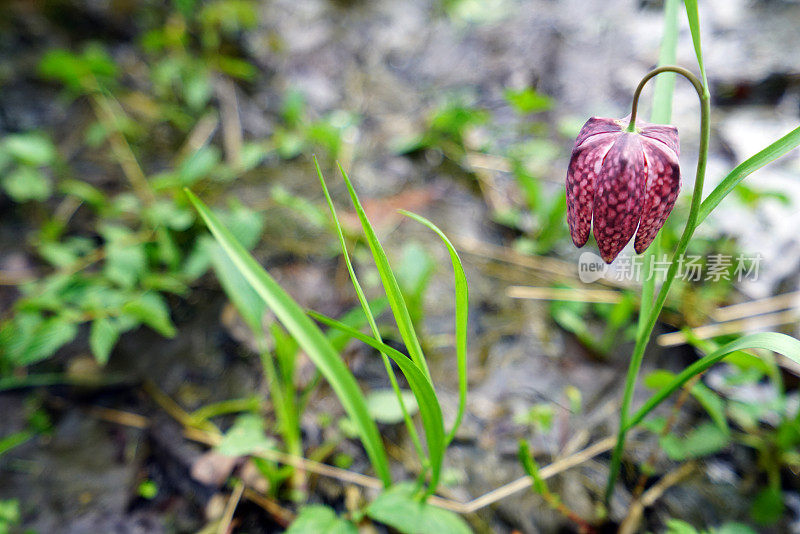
column 780, row 343
column 422, row 388
column 362, row 299
column 462, row 312
column 244, row 298
column 393, row 293
column 694, row 26
column 769, row 154
column 308, row 336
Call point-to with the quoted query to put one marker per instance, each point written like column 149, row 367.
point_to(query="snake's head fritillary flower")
column 622, row 183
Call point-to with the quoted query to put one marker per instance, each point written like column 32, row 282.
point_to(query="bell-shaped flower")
column 622, row 183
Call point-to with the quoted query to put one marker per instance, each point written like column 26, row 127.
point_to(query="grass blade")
column 769, row 154
column 421, row 386
column 362, row 299
column 780, row 343
column 665, row 83
column 462, row 313
column 694, row 27
column 393, row 293
column 308, row 336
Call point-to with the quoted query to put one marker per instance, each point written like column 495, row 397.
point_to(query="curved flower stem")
column 645, row 330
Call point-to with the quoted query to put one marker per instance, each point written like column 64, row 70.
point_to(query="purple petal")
column 664, row 133
column 585, row 163
column 661, row 191
column 597, row 125
column 618, row 199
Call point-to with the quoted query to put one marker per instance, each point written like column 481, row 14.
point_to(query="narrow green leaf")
column 531, row 467
column 694, row 26
column 307, row 334
column 780, row 343
column 422, row 388
column 14, row 440
column 103, row 336
column 769, row 154
column 462, row 313
column 244, row 298
column 665, row 83
column 362, row 299
column 393, row 293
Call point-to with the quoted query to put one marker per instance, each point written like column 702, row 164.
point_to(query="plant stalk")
column 644, row 331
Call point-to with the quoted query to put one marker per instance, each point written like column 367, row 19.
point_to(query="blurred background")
column 464, row 111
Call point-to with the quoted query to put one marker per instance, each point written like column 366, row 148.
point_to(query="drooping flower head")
column 621, row 183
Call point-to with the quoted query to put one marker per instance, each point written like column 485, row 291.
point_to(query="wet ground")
column 390, row 62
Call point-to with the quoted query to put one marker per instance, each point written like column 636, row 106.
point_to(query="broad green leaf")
column 246, row 436
column 734, row 528
column 125, row 260
column 429, row 408
column 198, row 165
column 76, row 71
column 319, row 519
column 385, row 408
column 527, row 100
column 780, row 343
column 167, row 213
column 461, row 319
column 767, row 506
column 400, row 508
column 84, row 192
column 151, row 309
column 707, row 398
column 30, row 148
column 307, row 334
column 244, row 223
column 103, row 336
column 50, row 335
column 390, row 285
column 769, row 154
column 676, row 526
column 9, row 514
column 713, row 404
column 26, row 183
column 705, row 439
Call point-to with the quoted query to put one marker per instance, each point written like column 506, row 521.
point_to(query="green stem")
column 644, row 332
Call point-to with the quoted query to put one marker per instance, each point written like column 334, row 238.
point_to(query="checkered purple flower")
column 622, row 183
